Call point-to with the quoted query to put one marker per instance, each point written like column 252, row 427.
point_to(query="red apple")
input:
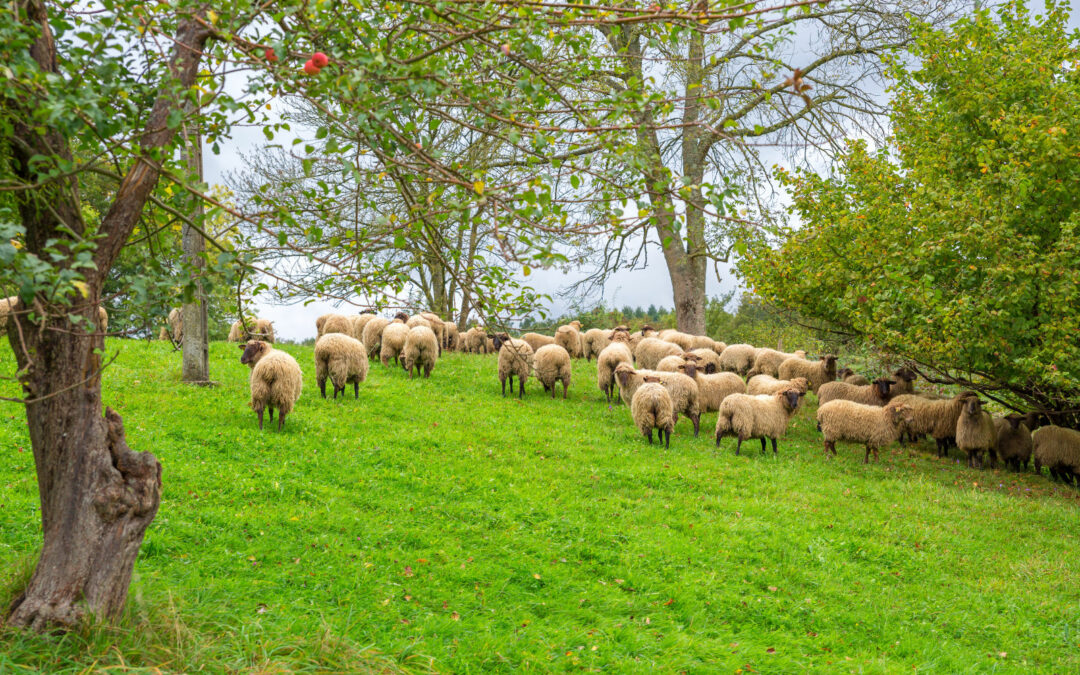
column 319, row 59
column 270, row 55
column 310, row 68
column 506, row 49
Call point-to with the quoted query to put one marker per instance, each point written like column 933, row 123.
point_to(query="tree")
column 956, row 245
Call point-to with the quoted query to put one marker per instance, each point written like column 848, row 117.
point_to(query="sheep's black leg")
column 830, row 448
column 271, row 409
column 281, row 421
column 763, row 445
column 738, row 445
column 773, row 446
column 322, row 387
column 667, row 438
column 260, row 414
column 650, row 436
column 521, row 387
column 697, row 424
column 504, row 387
column 719, row 435
column 565, row 386
column 356, row 389
column 866, row 457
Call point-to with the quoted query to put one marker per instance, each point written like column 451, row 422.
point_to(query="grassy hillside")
column 435, row 525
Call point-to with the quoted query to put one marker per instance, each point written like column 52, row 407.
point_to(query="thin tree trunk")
column 97, row 495
column 466, row 289
column 196, row 355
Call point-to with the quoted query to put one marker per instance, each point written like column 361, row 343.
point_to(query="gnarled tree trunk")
column 97, row 495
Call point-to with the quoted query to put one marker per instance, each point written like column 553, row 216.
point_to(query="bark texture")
column 97, row 495
column 196, row 354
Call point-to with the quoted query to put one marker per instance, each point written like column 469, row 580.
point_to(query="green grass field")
column 434, row 525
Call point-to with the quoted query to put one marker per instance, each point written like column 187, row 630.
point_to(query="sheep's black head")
column 1014, row 420
column 253, row 351
column 689, row 368
column 972, row 406
column 881, row 387
column 499, row 339
column 710, row 368
column 905, row 374
column 792, row 397
column 401, row 316
column 844, row 373
column 623, row 373
column 644, row 328
column 830, row 365
column 1033, row 420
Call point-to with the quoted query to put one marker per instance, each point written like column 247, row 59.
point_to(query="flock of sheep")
column 661, row 375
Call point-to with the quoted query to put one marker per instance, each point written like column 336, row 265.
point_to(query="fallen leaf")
column 455, row 616
column 408, row 570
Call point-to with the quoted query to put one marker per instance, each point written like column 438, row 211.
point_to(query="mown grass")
column 434, row 525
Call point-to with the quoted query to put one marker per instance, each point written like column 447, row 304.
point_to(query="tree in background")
column 957, row 245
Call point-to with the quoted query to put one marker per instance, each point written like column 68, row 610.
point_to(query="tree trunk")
column 97, row 495
column 466, row 286
column 196, row 355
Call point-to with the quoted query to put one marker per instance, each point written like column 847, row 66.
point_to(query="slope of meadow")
column 434, row 525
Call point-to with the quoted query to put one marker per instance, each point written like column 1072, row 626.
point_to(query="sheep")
column 515, row 358
column 417, row 320
column 876, row 393
column 610, row 357
column 102, row 320
column 437, row 325
column 421, row 350
column 276, row 380
column 683, row 390
column 848, row 375
column 708, row 359
column 333, row 323
column 767, row 384
column 593, row 342
column 569, row 338
column 739, row 358
column 670, row 364
column 652, row 408
column 762, row 417
column 393, row 342
column 684, row 340
column 873, row 426
column 453, row 339
column 935, row 417
column 536, row 340
column 244, row 330
column 713, row 388
column 650, row 351
column 767, row 361
column 373, row 335
column 174, row 328
column 975, row 433
column 1013, row 441
column 343, row 359
column 7, row 306
column 236, row 331
column 476, row 341
column 1058, row 449
column 359, row 321
column 816, row 372
column 552, row 364
column 905, row 382
column 698, row 342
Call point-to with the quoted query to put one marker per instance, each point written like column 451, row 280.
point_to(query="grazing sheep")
column 593, row 342
column 1013, row 441
column 848, row 375
column 245, row 330
column 875, row 393
column 343, row 359
column 393, row 342
column 373, row 335
column 1058, row 449
column 536, row 340
column 515, row 358
column 698, row 342
column 975, row 433
column 476, row 341
column 650, row 351
column 670, row 364
column 453, row 339
column 708, row 360
column 713, row 388
column 437, row 325
column 276, row 380
column 936, row 417
column 421, row 350
column 359, row 321
column 333, row 323
column 683, row 390
column 738, row 358
column 652, row 408
column 767, row 361
column 417, row 320
column 816, row 373
column 676, row 337
column 873, row 426
column 767, row 384
column 762, row 417
column 552, row 364
column 569, row 338
column 609, row 359
column 174, row 328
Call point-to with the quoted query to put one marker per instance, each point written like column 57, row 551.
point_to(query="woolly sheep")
column 936, row 417
column 650, row 351
column 417, row 320
column 705, row 342
column 373, row 335
column 421, row 350
column 1013, row 441
column 848, row 375
column 713, row 388
column 684, row 340
column 476, row 341
column 552, row 364
column 708, row 360
column 816, row 373
column 738, row 358
column 975, row 433
column 569, row 338
column 276, row 380
column 343, row 359
column 593, row 342
column 767, row 361
column 174, row 328
column 453, row 339
column 334, row 323
column 1058, row 449
column 536, row 340
column 873, row 426
column 515, row 358
column 670, row 364
column 683, row 390
column 651, row 408
column 359, row 321
column 437, row 325
column 610, row 357
column 767, row 384
column 875, row 393
column 905, row 382
column 256, row 329
column 393, row 342
column 762, row 417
